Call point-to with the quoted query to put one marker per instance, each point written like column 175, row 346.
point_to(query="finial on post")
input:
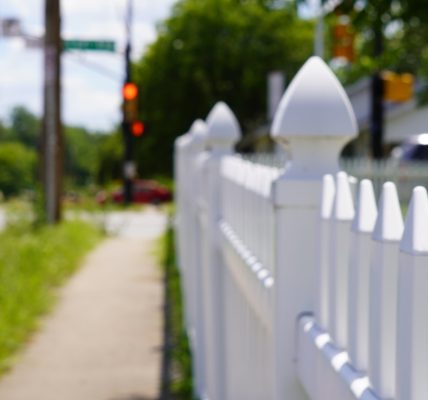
column 315, row 116
column 198, row 135
column 223, row 128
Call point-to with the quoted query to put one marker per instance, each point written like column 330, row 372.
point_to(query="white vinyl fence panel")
column 297, row 283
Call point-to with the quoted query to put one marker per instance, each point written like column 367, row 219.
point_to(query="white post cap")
column 315, row 104
column 182, row 141
column 223, row 128
column 316, row 117
column 198, row 135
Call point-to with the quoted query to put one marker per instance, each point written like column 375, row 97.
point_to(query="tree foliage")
column 110, row 155
column 17, row 168
column 211, row 50
column 404, row 30
column 81, row 155
column 85, row 154
column 25, row 127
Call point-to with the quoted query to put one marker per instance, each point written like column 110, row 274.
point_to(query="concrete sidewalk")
column 104, row 340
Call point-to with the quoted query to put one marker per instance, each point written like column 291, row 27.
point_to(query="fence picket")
column 383, row 293
column 326, row 210
column 343, row 214
column 412, row 357
column 359, row 274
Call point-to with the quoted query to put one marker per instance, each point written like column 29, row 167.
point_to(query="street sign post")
column 89, row 45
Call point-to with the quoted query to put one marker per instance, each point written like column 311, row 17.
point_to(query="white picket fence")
column 406, row 175
column 292, row 292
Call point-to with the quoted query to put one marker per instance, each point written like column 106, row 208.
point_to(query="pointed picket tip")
column 315, row 104
column 343, row 209
column 327, row 196
column 366, row 213
column 415, row 236
column 223, row 127
column 389, row 223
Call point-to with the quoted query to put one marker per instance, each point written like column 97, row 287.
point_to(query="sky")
column 91, row 82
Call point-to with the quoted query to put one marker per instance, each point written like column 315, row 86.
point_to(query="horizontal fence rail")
column 297, row 282
column 406, row 175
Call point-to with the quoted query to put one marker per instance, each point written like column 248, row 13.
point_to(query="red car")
column 145, row 192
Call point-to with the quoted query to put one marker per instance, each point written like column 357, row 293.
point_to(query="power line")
column 112, row 75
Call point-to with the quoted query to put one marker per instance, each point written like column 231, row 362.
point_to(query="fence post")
column 195, row 146
column 222, row 134
column 180, row 146
column 188, row 146
column 315, row 117
column 412, row 354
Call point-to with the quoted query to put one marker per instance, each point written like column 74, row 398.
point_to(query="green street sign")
column 89, row 45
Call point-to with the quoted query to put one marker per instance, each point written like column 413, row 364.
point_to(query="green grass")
column 179, row 362
column 33, row 263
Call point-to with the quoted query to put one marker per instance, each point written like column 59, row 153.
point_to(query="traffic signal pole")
column 52, row 143
column 377, row 92
column 128, row 165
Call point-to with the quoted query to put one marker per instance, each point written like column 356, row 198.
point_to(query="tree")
column 211, row 50
column 4, row 132
column 85, row 151
column 17, row 166
column 25, row 127
column 396, row 28
column 109, row 162
column 81, row 155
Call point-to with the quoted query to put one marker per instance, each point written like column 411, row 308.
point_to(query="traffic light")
column 343, row 40
column 130, row 91
column 130, row 102
column 397, row 87
column 137, row 128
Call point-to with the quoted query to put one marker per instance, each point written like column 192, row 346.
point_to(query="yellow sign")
column 397, row 87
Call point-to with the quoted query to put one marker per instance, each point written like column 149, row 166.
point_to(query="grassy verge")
column 33, row 263
column 177, row 379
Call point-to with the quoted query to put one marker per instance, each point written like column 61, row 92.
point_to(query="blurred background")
column 181, row 57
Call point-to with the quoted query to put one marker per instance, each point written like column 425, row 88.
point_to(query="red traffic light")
column 137, row 128
column 130, row 91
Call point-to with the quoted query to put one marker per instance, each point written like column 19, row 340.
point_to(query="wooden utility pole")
column 52, row 142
